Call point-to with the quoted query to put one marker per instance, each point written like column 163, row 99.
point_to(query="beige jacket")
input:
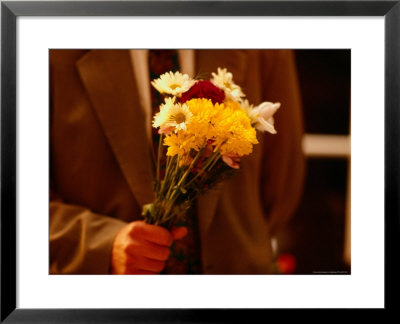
column 101, row 171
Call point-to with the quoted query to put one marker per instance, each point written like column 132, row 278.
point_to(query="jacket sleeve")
column 80, row 240
column 284, row 163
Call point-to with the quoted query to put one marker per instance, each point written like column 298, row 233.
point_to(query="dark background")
column 315, row 235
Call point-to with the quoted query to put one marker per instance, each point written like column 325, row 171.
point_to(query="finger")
column 179, row 232
column 146, row 264
column 148, row 250
column 151, row 233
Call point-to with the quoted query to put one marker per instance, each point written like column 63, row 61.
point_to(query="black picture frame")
column 10, row 10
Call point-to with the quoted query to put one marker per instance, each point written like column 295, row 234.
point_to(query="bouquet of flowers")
column 205, row 127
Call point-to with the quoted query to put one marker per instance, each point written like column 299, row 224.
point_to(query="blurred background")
column 317, row 240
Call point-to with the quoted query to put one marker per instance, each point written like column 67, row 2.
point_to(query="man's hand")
column 140, row 248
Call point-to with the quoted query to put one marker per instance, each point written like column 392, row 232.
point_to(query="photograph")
column 199, row 161
column 191, row 161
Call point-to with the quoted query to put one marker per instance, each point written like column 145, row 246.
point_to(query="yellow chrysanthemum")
column 227, row 125
column 182, row 142
column 235, row 132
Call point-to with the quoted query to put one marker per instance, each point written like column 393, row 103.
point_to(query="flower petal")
column 231, row 160
column 262, row 125
column 268, row 109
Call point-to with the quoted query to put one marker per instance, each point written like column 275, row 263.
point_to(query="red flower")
column 286, row 263
column 204, row 89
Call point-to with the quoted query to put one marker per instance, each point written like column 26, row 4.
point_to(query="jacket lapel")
column 207, row 61
column 109, row 81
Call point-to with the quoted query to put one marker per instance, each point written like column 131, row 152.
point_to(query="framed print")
column 334, row 62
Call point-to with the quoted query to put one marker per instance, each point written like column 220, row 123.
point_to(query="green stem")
column 158, row 162
column 212, row 160
column 168, row 209
column 174, row 178
column 187, row 172
column 211, row 166
column 166, row 176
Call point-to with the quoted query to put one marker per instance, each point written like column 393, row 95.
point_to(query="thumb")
column 179, row 232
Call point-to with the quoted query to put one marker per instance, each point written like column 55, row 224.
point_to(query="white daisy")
column 161, row 117
column 174, row 84
column 179, row 117
column 172, row 116
column 224, row 80
column 262, row 116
